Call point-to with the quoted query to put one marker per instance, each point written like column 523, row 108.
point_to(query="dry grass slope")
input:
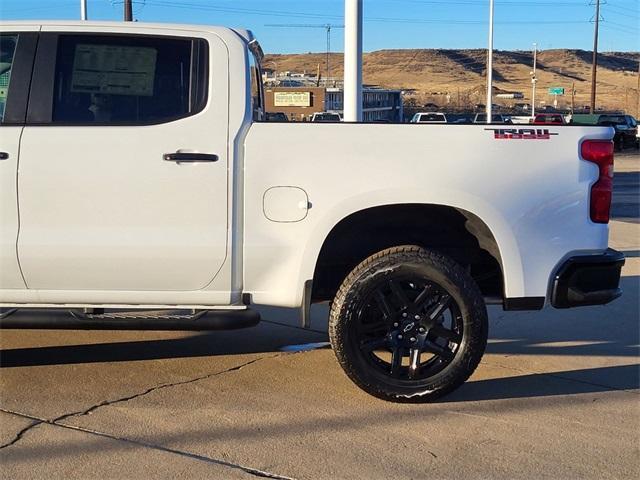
column 432, row 74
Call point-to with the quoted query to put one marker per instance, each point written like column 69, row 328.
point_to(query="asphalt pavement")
column 557, row 395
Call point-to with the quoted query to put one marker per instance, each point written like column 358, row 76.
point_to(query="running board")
column 159, row 320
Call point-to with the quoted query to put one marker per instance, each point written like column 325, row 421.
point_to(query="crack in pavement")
column 107, row 403
column 57, row 422
column 21, row 432
column 43, row 421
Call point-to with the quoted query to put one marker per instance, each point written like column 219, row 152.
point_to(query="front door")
column 123, row 168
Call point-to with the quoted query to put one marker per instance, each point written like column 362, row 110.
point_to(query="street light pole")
column 352, row 61
column 83, row 9
column 594, row 62
column 534, row 80
column 490, row 65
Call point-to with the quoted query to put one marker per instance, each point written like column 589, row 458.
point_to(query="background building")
column 300, row 103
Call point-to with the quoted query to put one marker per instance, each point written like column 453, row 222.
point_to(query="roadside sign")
column 292, row 99
column 556, row 91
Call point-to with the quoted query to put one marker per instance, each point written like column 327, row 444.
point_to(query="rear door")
column 123, row 173
column 16, row 59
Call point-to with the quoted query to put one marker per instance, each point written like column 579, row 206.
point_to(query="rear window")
column 432, row 117
column 617, row 119
column 326, row 117
column 121, row 79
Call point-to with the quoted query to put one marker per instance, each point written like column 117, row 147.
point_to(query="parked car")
column 495, row 118
column 290, row 83
column 429, row 117
column 154, row 196
column 326, row 117
column 276, row 117
column 626, row 129
column 459, row 118
column 549, row 119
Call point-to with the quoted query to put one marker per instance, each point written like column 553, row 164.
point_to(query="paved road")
column 625, row 181
column 556, row 396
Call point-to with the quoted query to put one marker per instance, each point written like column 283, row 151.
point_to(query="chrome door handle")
column 190, row 157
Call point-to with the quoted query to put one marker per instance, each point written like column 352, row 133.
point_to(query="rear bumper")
column 588, row 280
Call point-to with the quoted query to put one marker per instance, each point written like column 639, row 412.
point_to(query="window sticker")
column 114, row 69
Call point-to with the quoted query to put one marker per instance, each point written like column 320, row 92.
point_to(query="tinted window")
column 613, row 119
column 7, row 51
column 432, row 117
column 326, row 117
column 128, row 79
column 482, row 117
column 256, row 87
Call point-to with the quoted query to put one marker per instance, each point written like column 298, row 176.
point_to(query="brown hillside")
column 432, row 74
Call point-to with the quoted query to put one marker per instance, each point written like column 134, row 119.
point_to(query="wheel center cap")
column 408, row 327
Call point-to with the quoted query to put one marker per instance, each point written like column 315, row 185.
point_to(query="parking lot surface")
column 557, row 395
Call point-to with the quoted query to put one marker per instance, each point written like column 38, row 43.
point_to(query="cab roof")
column 245, row 34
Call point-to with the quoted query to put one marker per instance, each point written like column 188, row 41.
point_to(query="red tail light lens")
column 600, row 152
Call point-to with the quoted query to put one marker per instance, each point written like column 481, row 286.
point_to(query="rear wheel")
column 408, row 325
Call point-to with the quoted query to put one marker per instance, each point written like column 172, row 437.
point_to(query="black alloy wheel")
column 408, row 328
column 408, row 325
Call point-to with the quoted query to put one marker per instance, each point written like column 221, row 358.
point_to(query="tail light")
column 600, row 152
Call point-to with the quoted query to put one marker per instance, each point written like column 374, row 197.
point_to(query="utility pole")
column 352, row 107
column 638, row 92
column 594, row 62
column 83, row 9
column 573, row 97
column 327, row 26
column 534, row 80
column 490, row 65
column 328, row 53
column 128, row 11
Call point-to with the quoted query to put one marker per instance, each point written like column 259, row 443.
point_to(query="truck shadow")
column 571, row 382
column 264, row 338
column 611, row 331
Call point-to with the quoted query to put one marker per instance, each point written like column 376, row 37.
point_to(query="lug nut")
column 413, row 339
column 399, row 337
column 417, row 317
column 404, row 315
column 421, row 330
column 395, row 324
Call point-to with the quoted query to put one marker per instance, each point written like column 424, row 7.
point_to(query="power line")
column 621, row 25
column 505, row 2
column 276, row 13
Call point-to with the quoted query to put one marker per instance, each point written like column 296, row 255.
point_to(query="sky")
column 387, row 23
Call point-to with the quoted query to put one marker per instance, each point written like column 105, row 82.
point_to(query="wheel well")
column 453, row 232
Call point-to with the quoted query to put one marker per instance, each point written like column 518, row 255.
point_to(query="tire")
column 404, row 300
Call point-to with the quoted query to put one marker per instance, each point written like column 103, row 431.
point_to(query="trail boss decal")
column 521, row 133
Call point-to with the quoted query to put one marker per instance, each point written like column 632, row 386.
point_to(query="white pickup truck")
column 139, row 189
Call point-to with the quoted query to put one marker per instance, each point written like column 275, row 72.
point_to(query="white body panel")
column 104, row 221
column 10, row 276
column 532, row 194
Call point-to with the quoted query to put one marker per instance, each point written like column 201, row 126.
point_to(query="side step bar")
column 184, row 320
